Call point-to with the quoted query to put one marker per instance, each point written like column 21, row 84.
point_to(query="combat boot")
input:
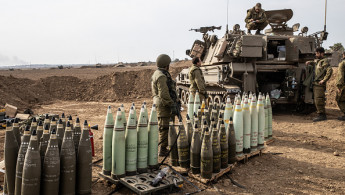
column 257, row 32
column 321, row 117
column 163, row 151
column 341, row 118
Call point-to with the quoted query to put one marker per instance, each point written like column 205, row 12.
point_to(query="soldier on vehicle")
column 321, row 74
column 256, row 19
column 165, row 97
column 341, row 88
column 196, row 78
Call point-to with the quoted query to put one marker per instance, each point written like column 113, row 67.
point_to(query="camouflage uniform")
column 341, row 86
column 197, row 82
column 261, row 16
column 323, row 72
column 164, row 102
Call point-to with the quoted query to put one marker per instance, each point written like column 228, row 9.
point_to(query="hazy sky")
column 108, row 31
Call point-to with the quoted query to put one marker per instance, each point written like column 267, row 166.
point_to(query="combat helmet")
column 163, row 61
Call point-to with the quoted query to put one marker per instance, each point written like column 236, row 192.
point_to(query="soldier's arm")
column 248, row 17
column 163, row 91
column 341, row 75
column 329, row 71
column 199, row 81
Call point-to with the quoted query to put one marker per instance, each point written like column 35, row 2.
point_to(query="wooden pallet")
column 269, row 141
column 214, row 177
column 245, row 157
column 108, row 178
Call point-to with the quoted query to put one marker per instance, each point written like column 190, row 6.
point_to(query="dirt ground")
column 299, row 161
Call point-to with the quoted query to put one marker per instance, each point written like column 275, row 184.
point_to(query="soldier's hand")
column 307, row 63
column 321, row 82
column 338, row 90
column 251, row 20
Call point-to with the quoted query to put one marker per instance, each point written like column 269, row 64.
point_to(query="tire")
column 218, row 99
column 183, row 97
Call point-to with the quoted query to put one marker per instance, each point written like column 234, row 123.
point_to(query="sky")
column 111, row 31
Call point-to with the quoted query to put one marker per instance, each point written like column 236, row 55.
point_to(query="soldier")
column 256, row 19
column 196, row 79
column 322, row 73
column 165, row 98
column 341, row 88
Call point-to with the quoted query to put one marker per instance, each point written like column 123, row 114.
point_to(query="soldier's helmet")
column 163, row 61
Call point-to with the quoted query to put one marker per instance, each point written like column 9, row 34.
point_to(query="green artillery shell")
column 131, row 144
column 33, row 124
column 266, row 118
column 76, row 134
column 123, row 115
column 255, row 125
column 16, row 130
column 20, row 160
column 63, row 118
column 32, row 168
column 70, row 120
column 203, row 130
column 60, row 132
column 230, row 131
column 51, row 166
column 227, row 112
column 196, row 102
column 53, row 124
column 223, row 146
column 44, row 142
column 84, row 162
column 196, row 120
column 206, row 156
column 11, row 154
column 207, row 115
column 238, row 126
column 183, row 147
column 171, row 140
column 195, row 149
column 191, row 106
column 189, row 130
column 135, row 113
column 247, row 125
column 146, row 112
column 107, row 142
column 46, row 121
column 143, row 140
column 199, row 116
column 261, row 118
column 214, row 114
column 216, row 150
column 220, row 119
column 153, row 138
column 67, row 163
column 39, row 131
column 118, row 166
column 269, row 107
column 210, row 109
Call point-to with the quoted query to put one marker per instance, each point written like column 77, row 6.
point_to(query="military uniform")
column 341, row 86
column 197, row 82
column 261, row 16
column 322, row 72
column 165, row 97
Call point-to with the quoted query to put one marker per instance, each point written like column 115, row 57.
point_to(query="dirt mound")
column 332, row 90
column 116, row 86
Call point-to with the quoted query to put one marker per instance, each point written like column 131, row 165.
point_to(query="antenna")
column 324, row 27
column 227, row 16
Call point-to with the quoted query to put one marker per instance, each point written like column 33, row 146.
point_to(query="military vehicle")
column 272, row 63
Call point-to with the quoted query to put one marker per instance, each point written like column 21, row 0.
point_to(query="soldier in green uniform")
column 165, row 98
column 341, row 88
column 322, row 73
column 256, row 19
column 196, row 79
